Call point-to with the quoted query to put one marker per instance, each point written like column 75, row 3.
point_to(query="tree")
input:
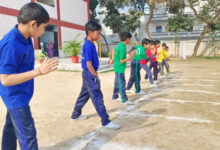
column 131, row 22
column 126, row 21
column 152, row 5
column 93, row 14
column 209, row 15
column 178, row 23
column 92, row 6
column 113, row 18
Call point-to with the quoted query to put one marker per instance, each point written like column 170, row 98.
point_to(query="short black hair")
column 125, row 35
column 164, row 45
column 145, row 41
column 157, row 41
column 152, row 42
column 33, row 11
column 92, row 26
column 167, row 47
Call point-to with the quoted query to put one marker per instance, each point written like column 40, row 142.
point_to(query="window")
column 191, row 28
column 47, row 2
column 158, row 28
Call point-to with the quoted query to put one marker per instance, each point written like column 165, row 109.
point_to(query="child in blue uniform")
column 91, row 83
column 17, row 75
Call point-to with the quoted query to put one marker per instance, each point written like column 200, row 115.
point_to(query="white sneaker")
column 153, row 85
column 163, row 76
column 81, row 117
column 141, row 93
column 157, row 81
column 129, row 102
column 129, row 91
column 113, row 126
column 118, row 99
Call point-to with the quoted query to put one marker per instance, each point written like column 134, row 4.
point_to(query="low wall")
column 206, row 48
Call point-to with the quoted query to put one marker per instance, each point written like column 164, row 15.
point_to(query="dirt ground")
column 182, row 113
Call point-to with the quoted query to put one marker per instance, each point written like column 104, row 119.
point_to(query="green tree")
column 152, row 5
column 92, row 6
column 126, row 21
column 131, row 21
column 178, row 23
column 93, row 16
column 209, row 15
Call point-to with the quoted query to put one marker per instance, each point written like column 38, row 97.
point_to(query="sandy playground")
column 182, row 113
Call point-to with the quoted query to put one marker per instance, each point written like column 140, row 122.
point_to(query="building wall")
column 74, row 11
column 205, row 48
column 9, row 23
column 51, row 10
column 69, row 19
column 15, row 4
column 69, row 34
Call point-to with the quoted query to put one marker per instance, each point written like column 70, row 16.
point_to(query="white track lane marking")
column 186, row 101
column 196, row 120
column 191, row 91
column 184, row 84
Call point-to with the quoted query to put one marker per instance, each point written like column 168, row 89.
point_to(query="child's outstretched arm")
column 113, row 56
column 122, row 61
column 92, row 70
column 13, row 79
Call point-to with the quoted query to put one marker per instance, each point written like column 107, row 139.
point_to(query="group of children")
column 17, row 74
column 140, row 56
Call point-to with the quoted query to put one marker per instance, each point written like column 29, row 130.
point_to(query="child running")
column 17, row 75
column 91, row 83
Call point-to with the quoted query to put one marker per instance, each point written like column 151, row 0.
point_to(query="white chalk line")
column 184, row 84
column 193, row 74
column 81, row 143
column 191, row 91
column 186, row 79
column 186, row 101
column 186, row 76
column 167, row 117
column 123, row 146
column 214, row 73
column 148, row 98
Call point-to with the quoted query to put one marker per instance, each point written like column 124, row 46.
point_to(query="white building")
column 68, row 18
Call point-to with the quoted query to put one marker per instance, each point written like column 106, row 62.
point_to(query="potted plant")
column 40, row 56
column 73, row 48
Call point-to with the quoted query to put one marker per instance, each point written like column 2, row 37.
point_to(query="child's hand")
column 110, row 62
column 128, row 56
column 154, row 51
column 48, row 66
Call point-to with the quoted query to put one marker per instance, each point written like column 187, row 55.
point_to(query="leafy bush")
column 72, row 47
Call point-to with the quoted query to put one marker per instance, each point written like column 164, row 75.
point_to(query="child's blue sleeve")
column 10, row 58
column 88, row 53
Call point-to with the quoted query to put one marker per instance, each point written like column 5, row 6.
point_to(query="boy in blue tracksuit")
column 17, row 73
column 91, row 83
